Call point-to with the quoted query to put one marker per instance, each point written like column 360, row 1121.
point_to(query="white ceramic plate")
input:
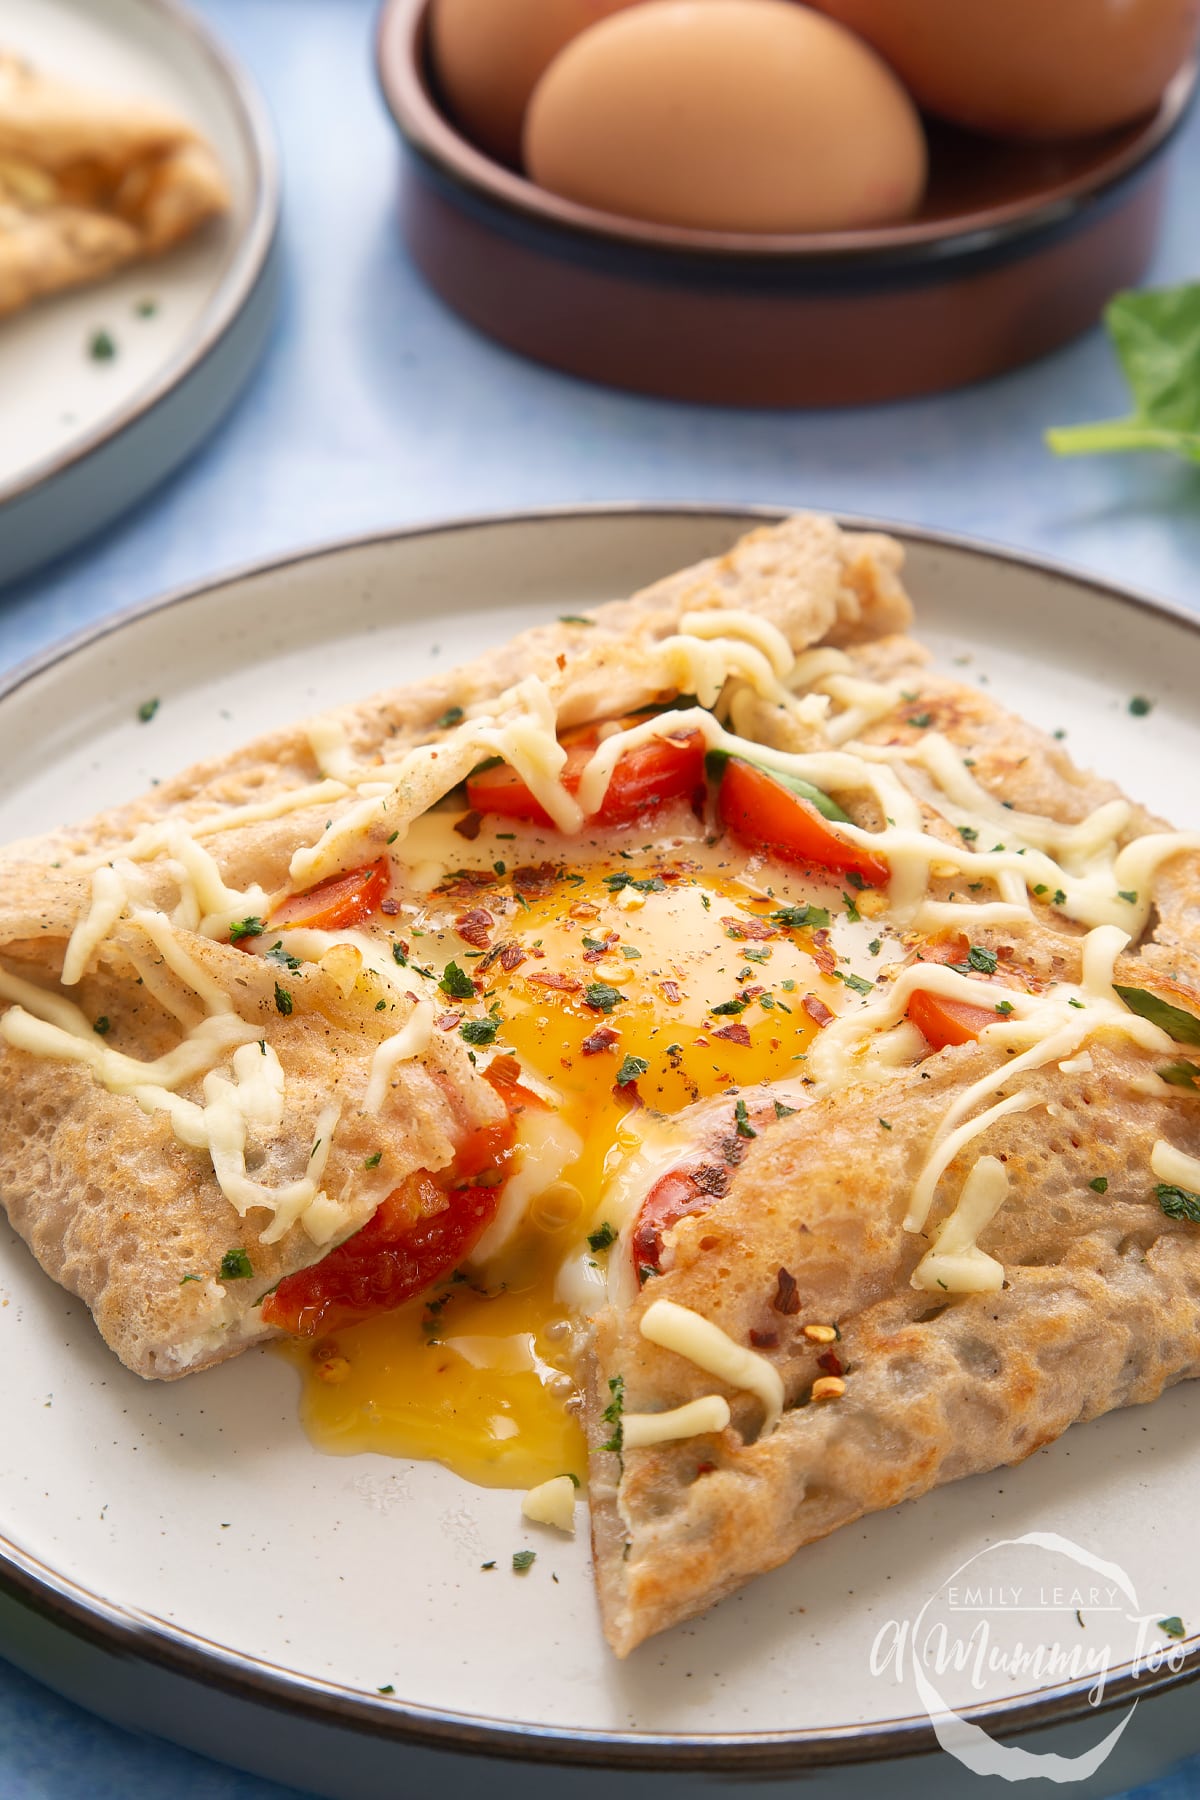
column 81, row 439
column 192, row 1525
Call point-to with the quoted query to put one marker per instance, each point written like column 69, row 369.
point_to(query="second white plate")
column 82, row 438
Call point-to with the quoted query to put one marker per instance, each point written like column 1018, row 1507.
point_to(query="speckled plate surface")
column 188, row 1535
column 82, row 437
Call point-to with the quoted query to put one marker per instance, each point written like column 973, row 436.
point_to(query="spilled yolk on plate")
column 630, row 984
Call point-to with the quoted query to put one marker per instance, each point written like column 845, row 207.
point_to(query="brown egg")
column 1029, row 68
column 488, row 55
column 730, row 115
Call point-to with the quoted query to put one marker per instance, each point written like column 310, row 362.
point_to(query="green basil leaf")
column 1184, row 1027
column 1156, row 335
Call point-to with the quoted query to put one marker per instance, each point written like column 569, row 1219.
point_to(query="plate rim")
column 128, row 1632
column 250, row 255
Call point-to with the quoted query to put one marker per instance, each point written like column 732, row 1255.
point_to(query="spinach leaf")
column 1157, row 338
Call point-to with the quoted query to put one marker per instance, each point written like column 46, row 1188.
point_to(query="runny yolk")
column 475, row 1374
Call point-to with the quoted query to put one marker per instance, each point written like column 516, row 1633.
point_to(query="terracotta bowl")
column 1016, row 250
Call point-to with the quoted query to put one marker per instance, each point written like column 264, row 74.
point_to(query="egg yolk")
column 630, row 986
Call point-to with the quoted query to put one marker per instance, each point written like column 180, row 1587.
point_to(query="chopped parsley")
column 736, row 1005
column 612, row 1415
column 146, row 309
column 967, row 833
column 523, row 1560
column 886, row 1123
column 1060, row 899
column 982, row 961
column 784, row 1112
column 244, row 928
column 1139, row 706
column 479, row 1031
column 488, row 1565
column 921, row 720
column 874, row 946
column 574, row 619
column 1004, row 1007
column 188, row 1278
column 277, row 954
column 236, row 1265
column 1178, row 1203
column 741, row 1120
column 600, row 995
column 373, row 1162
column 147, row 710
column 791, row 918
column 852, row 912
column 630, row 1069
column 1128, row 894
column 451, row 716
column 283, row 1000
column 1099, row 1184
column 602, row 1237
column 456, row 984
column 380, row 1005
column 630, row 953
column 103, row 1026
column 393, row 837
column 645, row 884
column 857, row 982
column 386, row 1689
column 398, row 955
column 102, row 348
column 1174, row 1626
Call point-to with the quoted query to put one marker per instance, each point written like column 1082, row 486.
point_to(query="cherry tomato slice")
column 946, row 1021
column 333, row 904
column 422, row 1231
column 672, row 1197
column 387, row 1262
column 763, row 813
column 658, row 770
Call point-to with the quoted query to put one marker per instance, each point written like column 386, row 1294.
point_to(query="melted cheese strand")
column 926, row 1184
column 33, row 1030
column 863, row 702
column 691, row 1335
column 109, row 900
column 159, row 930
column 1175, row 1167
column 734, row 623
column 955, row 1263
column 331, row 751
column 413, row 1039
column 639, row 1430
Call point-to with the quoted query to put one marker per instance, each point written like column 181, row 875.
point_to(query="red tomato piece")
column 340, row 901
column 387, row 1262
column 946, row 1021
column 762, row 812
column 658, row 770
column 672, row 1197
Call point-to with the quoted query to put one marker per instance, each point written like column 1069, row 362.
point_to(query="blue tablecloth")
column 374, row 407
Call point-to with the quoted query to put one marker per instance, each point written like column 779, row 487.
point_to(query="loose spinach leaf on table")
column 1157, row 337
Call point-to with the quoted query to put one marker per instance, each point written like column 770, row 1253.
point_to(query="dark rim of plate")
column 93, row 1619
column 245, row 263
column 923, row 251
